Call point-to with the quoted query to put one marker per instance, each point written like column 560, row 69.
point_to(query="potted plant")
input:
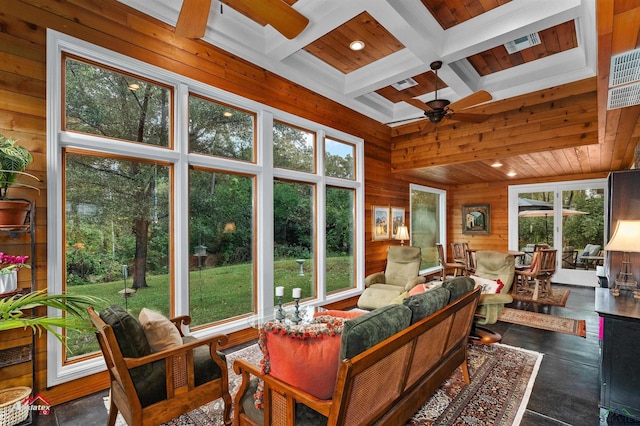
column 9, row 266
column 14, row 313
column 14, row 159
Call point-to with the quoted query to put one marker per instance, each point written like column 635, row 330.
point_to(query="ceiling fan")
column 438, row 109
column 192, row 21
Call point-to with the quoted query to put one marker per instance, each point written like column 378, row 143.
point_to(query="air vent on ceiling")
column 624, row 96
column 624, row 80
column 625, row 68
column 522, row 43
column 404, row 84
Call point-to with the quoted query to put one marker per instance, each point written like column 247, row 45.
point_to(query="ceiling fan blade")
column 192, row 21
column 285, row 19
column 405, row 119
column 470, row 118
column 471, row 100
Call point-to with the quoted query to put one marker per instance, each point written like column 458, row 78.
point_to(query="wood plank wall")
column 115, row 26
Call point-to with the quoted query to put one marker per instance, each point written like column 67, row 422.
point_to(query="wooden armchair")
column 543, row 266
column 158, row 386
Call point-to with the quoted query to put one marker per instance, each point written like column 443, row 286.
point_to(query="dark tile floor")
column 566, row 390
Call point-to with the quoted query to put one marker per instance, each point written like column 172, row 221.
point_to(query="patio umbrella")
column 545, row 213
column 529, row 204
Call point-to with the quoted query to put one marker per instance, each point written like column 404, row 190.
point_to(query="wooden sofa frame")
column 384, row 385
column 182, row 394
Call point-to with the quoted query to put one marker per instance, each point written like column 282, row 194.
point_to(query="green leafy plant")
column 14, row 312
column 14, row 159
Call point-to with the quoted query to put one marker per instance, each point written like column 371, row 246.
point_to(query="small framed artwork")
column 397, row 219
column 476, row 219
column 381, row 222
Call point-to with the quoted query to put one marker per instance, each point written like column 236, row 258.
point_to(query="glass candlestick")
column 279, row 312
column 296, row 314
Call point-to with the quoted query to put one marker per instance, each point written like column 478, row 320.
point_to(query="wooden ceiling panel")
column 553, row 40
column 333, row 47
column 426, row 83
column 450, row 13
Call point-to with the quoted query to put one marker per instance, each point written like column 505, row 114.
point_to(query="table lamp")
column 402, row 234
column 626, row 239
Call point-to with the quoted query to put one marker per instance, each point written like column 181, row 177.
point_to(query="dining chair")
column 543, row 266
column 458, row 250
column 457, row 268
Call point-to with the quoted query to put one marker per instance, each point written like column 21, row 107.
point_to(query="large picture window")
column 163, row 194
column 428, row 223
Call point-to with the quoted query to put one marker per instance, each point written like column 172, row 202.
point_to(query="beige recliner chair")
column 493, row 265
column 401, row 274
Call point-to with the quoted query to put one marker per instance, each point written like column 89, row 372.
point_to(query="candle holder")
column 296, row 314
column 280, row 312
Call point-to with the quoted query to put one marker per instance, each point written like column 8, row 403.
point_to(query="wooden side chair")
column 455, row 268
column 470, row 261
column 152, row 387
column 543, row 266
column 459, row 250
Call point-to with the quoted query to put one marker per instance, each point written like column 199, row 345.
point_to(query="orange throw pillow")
column 340, row 314
column 305, row 356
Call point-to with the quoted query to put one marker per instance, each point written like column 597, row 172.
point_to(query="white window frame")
column 442, row 211
column 179, row 156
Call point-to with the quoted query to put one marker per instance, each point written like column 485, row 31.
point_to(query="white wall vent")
column 625, row 68
column 624, row 80
column 522, row 43
column 624, row 96
column 404, row 84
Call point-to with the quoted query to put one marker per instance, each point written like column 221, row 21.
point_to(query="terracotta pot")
column 13, row 212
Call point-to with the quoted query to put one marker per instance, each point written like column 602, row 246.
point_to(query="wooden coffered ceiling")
column 548, row 114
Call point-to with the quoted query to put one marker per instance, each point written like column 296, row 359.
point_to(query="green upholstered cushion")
column 129, row 333
column 424, row 304
column 147, row 379
column 204, row 367
column 366, row 331
column 459, row 286
column 304, row 415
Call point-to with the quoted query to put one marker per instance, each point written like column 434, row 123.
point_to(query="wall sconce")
column 626, row 239
column 402, row 234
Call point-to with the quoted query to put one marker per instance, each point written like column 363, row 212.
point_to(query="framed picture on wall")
column 381, row 222
column 397, row 219
column 476, row 219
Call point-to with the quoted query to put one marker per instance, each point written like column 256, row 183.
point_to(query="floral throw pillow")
column 488, row 286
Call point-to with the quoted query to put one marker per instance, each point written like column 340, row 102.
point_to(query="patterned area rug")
column 502, row 378
column 544, row 322
column 557, row 298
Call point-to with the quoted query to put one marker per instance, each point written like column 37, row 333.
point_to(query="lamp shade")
column 403, row 233
column 626, row 237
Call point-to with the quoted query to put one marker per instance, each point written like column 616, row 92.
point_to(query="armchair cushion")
column 424, row 304
column 305, row 356
column 160, row 332
column 129, row 333
column 148, row 379
column 366, row 331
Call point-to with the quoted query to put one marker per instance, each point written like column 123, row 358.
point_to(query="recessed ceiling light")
column 511, row 174
column 497, row 164
column 134, row 86
column 356, row 45
column 227, row 114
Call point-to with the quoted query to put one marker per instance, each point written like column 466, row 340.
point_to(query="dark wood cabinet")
column 624, row 203
column 619, row 366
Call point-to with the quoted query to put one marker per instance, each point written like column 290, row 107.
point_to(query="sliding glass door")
column 566, row 216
